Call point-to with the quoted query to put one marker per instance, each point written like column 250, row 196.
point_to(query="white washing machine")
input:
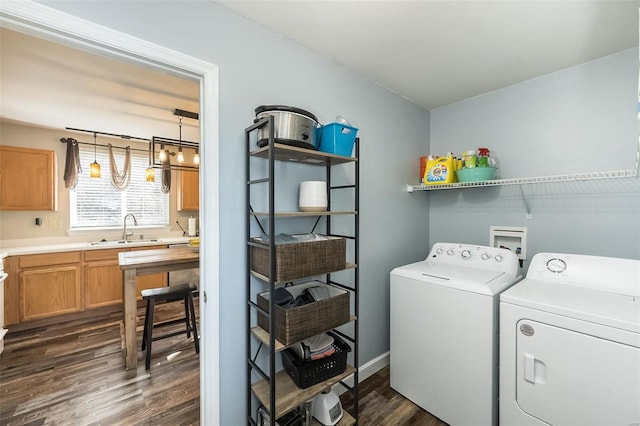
column 444, row 324
column 570, row 343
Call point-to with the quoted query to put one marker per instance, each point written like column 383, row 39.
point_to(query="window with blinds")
column 95, row 203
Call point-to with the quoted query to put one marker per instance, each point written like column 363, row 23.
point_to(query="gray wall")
column 259, row 67
column 582, row 119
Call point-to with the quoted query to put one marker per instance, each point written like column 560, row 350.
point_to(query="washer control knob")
column 450, row 252
column 499, row 258
column 466, row 254
column 439, row 250
column 485, row 256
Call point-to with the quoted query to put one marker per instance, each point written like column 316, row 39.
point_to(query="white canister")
column 313, row 196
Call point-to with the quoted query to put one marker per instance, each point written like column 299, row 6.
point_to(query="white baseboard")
column 367, row 370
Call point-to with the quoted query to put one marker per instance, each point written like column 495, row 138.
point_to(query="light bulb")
column 162, row 156
column 180, row 157
column 196, row 158
column 150, row 174
column 94, row 170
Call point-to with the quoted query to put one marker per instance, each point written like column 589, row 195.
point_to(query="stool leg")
column 144, row 333
column 149, row 333
column 186, row 315
column 196, row 339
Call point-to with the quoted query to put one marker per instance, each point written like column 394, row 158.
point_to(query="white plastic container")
column 313, row 196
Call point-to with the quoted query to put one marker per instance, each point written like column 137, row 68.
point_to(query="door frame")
column 56, row 26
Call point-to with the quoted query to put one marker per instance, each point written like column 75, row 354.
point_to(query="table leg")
column 129, row 318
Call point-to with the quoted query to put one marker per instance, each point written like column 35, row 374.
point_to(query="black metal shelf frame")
column 269, row 376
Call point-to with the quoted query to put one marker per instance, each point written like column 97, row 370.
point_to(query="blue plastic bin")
column 337, row 138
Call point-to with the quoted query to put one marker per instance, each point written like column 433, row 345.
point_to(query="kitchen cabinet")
column 50, row 284
column 28, row 179
column 267, row 387
column 102, row 278
column 11, row 292
column 188, row 191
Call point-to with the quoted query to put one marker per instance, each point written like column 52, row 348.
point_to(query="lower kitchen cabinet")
column 50, row 284
column 11, row 292
column 102, row 278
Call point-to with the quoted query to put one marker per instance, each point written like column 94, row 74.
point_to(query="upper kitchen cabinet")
column 28, row 179
column 188, row 191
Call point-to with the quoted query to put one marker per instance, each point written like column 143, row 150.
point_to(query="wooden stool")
column 173, row 293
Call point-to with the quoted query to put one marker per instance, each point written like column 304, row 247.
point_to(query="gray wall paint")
column 259, row 67
column 582, row 119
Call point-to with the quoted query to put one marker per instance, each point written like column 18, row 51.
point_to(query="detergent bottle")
column 440, row 170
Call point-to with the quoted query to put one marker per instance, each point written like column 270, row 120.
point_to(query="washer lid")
column 601, row 307
column 464, row 278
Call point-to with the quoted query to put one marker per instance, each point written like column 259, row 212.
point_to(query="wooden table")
column 144, row 262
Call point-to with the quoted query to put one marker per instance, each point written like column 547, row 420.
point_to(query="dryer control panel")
column 609, row 274
column 480, row 257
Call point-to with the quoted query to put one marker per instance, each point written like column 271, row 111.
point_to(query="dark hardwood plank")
column 71, row 372
column 381, row 405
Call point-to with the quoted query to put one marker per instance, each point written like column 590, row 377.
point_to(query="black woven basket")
column 305, row 374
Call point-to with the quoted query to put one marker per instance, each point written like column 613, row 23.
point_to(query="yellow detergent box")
column 440, row 170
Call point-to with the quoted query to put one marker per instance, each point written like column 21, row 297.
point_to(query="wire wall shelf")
column 615, row 174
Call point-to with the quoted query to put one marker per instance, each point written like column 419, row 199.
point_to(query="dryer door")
column 569, row 378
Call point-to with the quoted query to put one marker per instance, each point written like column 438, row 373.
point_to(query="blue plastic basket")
column 337, row 138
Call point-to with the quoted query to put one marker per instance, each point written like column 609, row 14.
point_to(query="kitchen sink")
column 123, row 242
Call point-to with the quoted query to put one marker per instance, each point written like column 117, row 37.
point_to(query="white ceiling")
column 55, row 86
column 431, row 52
column 438, row 52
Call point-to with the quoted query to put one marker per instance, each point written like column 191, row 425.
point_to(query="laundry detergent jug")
column 440, row 170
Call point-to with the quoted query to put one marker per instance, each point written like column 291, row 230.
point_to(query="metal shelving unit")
column 274, row 389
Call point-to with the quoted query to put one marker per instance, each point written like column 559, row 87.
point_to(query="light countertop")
column 38, row 247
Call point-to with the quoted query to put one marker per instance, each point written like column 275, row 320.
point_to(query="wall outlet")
column 55, row 224
column 513, row 238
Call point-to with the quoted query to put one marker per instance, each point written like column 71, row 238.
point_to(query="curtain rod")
column 65, row 140
column 108, row 134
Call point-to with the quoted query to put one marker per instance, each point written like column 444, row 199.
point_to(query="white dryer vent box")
column 513, row 238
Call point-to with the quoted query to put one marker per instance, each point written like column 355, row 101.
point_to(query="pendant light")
column 94, row 168
column 196, row 157
column 150, row 174
column 180, row 157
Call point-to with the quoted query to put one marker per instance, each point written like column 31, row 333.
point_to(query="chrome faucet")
column 124, row 231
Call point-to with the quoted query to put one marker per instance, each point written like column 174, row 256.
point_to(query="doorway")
column 47, row 23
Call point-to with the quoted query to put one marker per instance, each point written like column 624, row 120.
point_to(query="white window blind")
column 95, row 203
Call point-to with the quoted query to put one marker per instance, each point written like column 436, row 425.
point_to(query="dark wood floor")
column 71, row 373
column 380, row 405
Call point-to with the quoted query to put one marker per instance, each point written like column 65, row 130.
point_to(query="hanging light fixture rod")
column 108, row 134
column 183, row 113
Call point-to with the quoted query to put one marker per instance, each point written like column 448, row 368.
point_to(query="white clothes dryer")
column 444, row 324
column 570, row 343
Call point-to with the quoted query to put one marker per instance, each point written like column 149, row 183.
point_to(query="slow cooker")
column 292, row 126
